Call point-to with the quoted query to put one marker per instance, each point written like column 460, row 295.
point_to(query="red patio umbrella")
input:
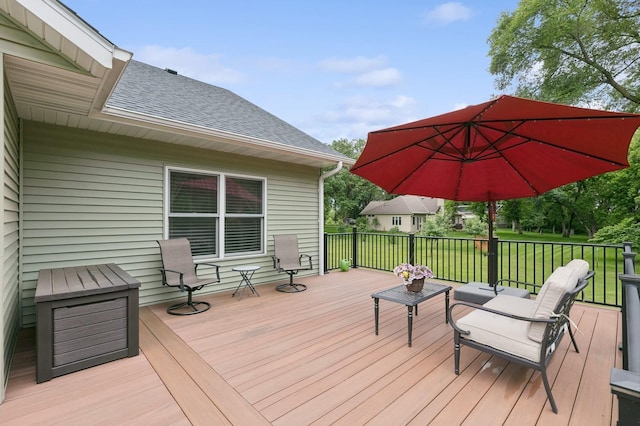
column 505, row 148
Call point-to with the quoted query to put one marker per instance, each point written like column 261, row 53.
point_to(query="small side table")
column 246, row 272
column 399, row 294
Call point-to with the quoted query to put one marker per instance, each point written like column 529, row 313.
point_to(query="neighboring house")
column 406, row 212
column 104, row 155
column 462, row 214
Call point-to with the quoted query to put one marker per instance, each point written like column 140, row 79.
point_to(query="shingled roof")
column 404, row 204
column 152, row 91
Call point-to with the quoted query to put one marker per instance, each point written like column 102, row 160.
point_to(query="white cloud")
column 379, row 78
column 186, row 61
column 402, row 102
column 370, row 72
column 353, row 65
column 359, row 115
column 447, row 13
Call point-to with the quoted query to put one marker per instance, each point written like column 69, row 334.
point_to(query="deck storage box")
column 85, row 316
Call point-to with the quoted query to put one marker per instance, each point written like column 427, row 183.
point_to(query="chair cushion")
column 580, row 266
column 562, row 280
column 512, row 305
column 500, row 332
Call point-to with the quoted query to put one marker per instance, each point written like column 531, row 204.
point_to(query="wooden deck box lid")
column 67, row 283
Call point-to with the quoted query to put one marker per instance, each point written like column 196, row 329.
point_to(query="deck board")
column 313, row 358
column 207, row 396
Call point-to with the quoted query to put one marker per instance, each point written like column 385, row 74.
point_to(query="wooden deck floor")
column 313, row 358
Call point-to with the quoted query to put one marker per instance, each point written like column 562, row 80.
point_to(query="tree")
column 345, row 194
column 575, row 52
column 515, row 211
column 436, row 226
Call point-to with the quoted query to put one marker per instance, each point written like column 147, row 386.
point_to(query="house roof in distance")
column 403, row 204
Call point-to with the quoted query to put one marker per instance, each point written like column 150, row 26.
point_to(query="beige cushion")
column 562, row 280
column 500, row 332
column 512, row 305
column 580, row 266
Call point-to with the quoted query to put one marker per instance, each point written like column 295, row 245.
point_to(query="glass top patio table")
column 400, row 294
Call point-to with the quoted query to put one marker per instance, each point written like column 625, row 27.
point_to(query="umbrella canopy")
column 506, row 148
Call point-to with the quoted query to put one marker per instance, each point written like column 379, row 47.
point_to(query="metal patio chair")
column 523, row 331
column 179, row 270
column 288, row 259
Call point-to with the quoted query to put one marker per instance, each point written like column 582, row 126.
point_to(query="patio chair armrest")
column 213, row 265
column 164, row 277
column 308, row 258
column 493, row 311
column 276, row 262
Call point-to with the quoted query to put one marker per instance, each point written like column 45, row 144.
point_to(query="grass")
column 507, row 234
column 529, row 257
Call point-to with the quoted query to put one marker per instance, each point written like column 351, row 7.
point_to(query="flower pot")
column 416, row 285
column 344, row 265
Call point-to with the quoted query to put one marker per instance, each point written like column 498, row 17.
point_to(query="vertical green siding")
column 90, row 197
column 10, row 278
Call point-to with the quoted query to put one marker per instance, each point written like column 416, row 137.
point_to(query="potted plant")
column 413, row 276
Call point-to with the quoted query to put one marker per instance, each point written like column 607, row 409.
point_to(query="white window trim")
column 221, row 215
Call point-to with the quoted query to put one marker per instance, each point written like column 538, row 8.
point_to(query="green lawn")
column 529, row 257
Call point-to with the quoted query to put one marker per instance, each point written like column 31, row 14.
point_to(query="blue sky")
column 334, row 69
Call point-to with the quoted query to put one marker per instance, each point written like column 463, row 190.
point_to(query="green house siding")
column 91, row 197
column 11, row 225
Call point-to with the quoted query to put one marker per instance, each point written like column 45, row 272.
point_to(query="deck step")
column 203, row 395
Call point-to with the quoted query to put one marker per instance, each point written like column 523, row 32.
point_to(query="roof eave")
column 217, row 139
column 50, row 20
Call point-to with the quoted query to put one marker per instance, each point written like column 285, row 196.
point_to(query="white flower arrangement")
column 409, row 272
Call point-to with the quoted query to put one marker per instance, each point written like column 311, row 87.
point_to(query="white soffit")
column 39, row 90
column 66, row 33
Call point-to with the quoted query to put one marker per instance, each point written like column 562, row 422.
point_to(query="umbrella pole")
column 492, row 259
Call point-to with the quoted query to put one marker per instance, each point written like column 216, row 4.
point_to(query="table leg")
column 446, row 307
column 248, row 281
column 376, row 310
column 410, row 322
column 239, row 285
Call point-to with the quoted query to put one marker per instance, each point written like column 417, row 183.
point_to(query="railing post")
column 412, row 248
column 326, row 253
column 628, row 256
column 627, row 279
column 354, row 247
column 492, row 266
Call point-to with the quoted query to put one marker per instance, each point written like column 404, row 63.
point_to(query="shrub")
column 435, row 226
column 475, row 226
column 627, row 230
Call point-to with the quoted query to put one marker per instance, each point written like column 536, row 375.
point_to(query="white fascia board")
column 74, row 29
column 158, row 123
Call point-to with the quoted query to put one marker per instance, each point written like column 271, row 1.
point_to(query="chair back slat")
column 176, row 256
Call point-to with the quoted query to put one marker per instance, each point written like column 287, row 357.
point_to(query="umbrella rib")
column 527, row 139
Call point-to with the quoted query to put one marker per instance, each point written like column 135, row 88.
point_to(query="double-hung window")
column 220, row 214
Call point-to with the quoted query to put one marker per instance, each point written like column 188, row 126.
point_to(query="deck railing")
column 465, row 259
column 625, row 381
